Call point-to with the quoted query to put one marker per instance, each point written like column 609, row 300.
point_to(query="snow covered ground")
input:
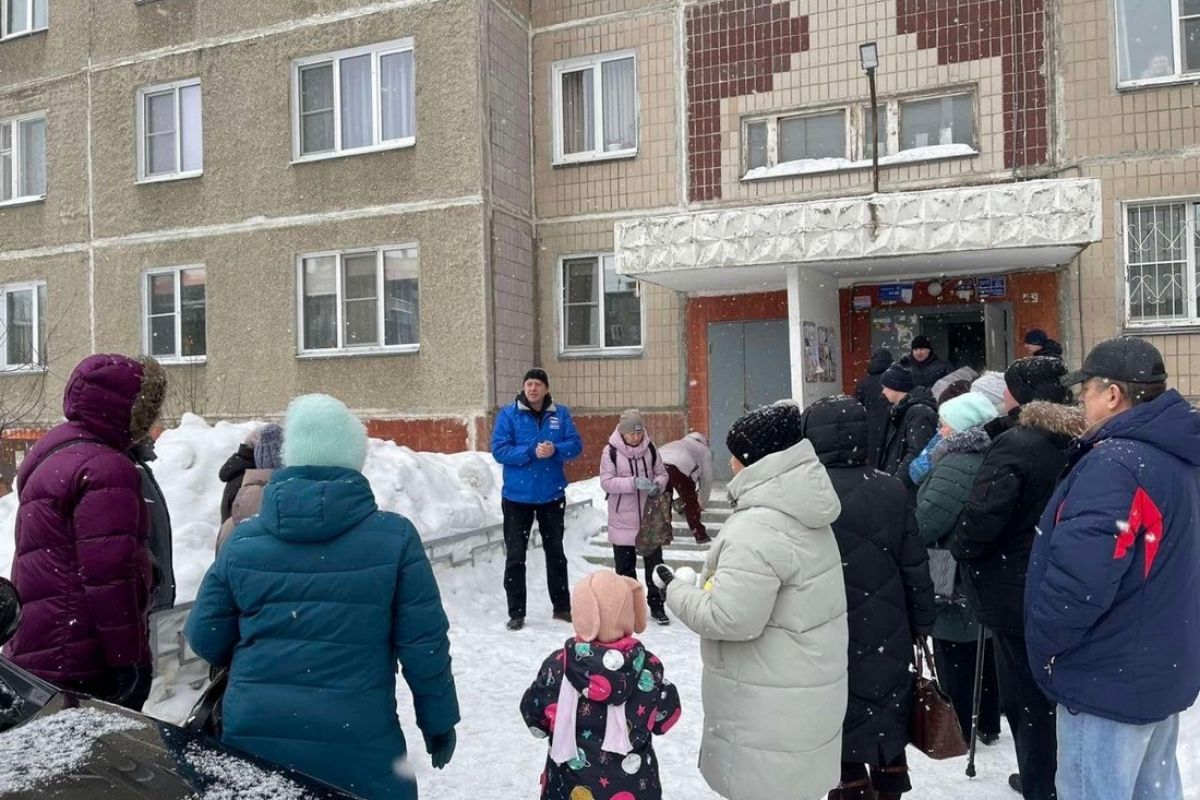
column 496, row 754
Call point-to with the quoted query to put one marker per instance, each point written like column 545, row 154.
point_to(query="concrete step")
column 672, row 558
column 686, row 542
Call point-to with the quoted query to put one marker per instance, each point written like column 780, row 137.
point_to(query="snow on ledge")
column 43, row 749
column 812, row 166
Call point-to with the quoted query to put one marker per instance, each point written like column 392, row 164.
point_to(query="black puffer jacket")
column 911, row 424
column 231, row 474
column 870, row 394
column 889, row 595
column 928, row 372
column 996, row 530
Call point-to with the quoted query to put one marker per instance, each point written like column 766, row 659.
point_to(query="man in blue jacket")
column 1111, row 604
column 533, row 438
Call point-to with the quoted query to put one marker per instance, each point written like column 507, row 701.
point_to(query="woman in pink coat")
column 631, row 471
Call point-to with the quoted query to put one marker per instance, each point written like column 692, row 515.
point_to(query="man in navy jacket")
column 533, row 438
column 1111, row 604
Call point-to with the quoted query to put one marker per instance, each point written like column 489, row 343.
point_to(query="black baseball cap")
column 1124, row 358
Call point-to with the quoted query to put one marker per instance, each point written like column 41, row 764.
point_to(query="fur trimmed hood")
column 1056, row 418
column 972, row 441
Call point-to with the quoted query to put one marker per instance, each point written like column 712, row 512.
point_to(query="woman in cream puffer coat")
column 771, row 611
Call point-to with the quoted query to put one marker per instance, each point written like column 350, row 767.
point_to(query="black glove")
column 440, row 747
column 131, row 686
column 663, row 576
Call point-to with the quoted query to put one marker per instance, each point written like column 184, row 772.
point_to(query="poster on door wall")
column 812, row 352
column 825, row 342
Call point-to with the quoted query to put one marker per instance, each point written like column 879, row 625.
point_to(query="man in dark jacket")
column 82, row 564
column 912, row 421
column 534, row 438
column 995, row 534
column 163, row 597
column 1112, row 607
column 870, row 394
column 889, row 598
column 927, row 369
column 233, row 471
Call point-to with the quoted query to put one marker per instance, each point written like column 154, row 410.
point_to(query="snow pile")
column 45, row 748
column 441, row 494
column 812, row 166
column 229, row 778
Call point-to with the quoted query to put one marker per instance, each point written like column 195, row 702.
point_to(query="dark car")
column 67, row 746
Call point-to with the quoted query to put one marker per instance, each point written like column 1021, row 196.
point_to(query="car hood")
column 78, row 748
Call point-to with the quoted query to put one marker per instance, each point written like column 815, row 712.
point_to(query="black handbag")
column 205, row 717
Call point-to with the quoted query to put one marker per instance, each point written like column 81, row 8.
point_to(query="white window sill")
column 345, row 352
column 591, row 158
column 602, row 352
column 399, row 144
column 23, row 369
column 1166, row 80
column 23, row 201
column 818, row 166
column 181, row 361
column 23, row 34
column 174, row 176
column 1162, row 328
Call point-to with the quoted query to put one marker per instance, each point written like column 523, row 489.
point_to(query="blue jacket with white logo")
column 515, row 437
column 1112, row 603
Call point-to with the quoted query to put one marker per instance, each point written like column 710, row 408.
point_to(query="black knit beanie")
column 537, row 374
column 1037, row 378
column 898, row 379
column 765, row 430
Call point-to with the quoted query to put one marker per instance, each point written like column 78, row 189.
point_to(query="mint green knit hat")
column 965, row 411
column 319, row 431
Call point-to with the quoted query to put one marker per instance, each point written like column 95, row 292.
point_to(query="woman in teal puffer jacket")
column 311, row 603
column 940, row 501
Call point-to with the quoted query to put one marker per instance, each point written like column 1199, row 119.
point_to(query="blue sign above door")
column 992, row 287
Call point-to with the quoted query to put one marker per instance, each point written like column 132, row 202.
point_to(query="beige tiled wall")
column 647, row 181
column 556, row 12
column 650, row 381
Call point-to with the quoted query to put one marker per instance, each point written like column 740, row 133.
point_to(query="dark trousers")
column 518, row 521
column 1030, row 716
column 685, row 489
column 625, row 563
column 955, row 662
column 105, row 688
column 890, row 779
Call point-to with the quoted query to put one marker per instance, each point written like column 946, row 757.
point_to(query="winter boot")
column 856, row 790
column 988, row 738
column 702, row 536
column 516, row 623
column 1014, row 783
column 563, row 616
column 660, row 616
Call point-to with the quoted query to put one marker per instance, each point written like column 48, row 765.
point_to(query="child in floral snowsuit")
column 601, row 698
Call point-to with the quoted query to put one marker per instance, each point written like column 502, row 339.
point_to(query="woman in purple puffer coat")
column 631, row 470
column 83, row 565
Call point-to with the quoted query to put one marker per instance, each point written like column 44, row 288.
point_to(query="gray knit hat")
column 631, row 422
column 268, row 450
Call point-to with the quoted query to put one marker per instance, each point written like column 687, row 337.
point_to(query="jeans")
column 1099, row 759
column 518, row 520
column 1030, row 717
column 625, row 563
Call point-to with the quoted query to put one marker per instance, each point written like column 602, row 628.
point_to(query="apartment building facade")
column 667, row 203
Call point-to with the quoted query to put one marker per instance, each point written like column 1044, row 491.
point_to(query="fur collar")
column 1058, row 419
column 972, row 441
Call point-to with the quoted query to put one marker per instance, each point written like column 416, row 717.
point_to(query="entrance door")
column 996, row 321
column 748, row 367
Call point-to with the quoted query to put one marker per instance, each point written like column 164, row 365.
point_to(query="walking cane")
column 976, row 699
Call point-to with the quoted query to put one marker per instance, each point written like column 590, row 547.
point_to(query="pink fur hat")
column 606, row 607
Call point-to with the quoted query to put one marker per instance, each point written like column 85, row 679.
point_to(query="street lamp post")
column 868, row 54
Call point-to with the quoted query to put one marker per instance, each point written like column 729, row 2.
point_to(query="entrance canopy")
column 971, row 229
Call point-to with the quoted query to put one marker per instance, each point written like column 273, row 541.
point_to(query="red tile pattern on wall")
column 595, row 429
column 1014, row 30
column 734, row 48
column 729, row 308
column 1027, row 314
column 445, row 435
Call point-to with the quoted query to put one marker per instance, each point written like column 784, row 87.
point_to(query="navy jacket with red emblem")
column 1112, row 603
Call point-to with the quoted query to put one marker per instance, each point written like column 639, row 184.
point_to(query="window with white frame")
column 18, row 17
column 170, row 131
column 360, row 300
column 354, row 100
column 936, row 122
column 595, row 108
column 176, row 317
column 1160, row 263
column 601, row 311
column 23, row 322
column 23, row 159
column 1157, row 40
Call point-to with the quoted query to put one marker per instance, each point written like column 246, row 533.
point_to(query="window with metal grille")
column 1160, row 263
